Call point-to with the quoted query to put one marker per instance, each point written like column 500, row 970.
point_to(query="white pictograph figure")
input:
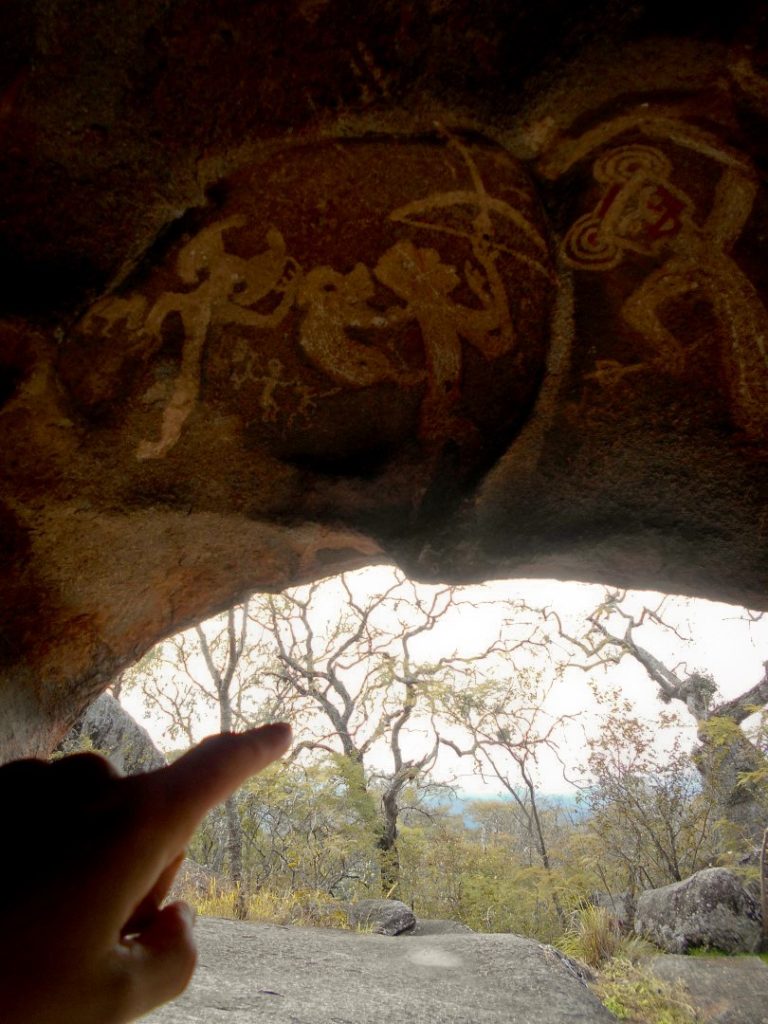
column 282, row 400
column 425, row 283
column 749, row 80
column 228, row 286
column 642, row 211
column 344, row 323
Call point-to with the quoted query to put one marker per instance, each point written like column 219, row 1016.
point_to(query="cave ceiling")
column 477, row 288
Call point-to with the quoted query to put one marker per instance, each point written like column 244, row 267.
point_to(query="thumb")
column 165, row 957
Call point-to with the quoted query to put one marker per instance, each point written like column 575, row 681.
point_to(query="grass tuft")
column 593, row 938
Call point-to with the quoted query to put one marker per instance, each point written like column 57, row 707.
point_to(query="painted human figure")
column 227, row 286
column 425, row 284
column 641, row 210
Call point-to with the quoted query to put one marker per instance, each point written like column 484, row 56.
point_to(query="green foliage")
column 632, row 993
column 717, row 954
column 358, row 675
column 720, row 731
column 594, row 938
column 757, row 779
column 84, row 745
column 303, row 831
column 450, row 871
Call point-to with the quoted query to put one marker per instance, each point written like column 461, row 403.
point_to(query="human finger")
column 159, row 811
column 150, row 904
column 157, row 965
column 82, row 782
column 84, row 768
column 44, row 798
column 17, row 778
column 212, row 771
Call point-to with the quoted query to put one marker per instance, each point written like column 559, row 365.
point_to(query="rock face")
column 711, row 908
column 721, row 991
column 475, row 288
column 438, row 926
column 107, row 728
column 382, row 917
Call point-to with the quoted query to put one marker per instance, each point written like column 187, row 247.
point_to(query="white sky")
column 723, row 642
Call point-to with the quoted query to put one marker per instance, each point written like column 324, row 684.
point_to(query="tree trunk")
column 389, row 863
column 235, row 857
column 542, row 846
column 764, row 889
column 389, row 857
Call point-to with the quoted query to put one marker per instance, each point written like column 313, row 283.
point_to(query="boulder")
column 711, row 908
column 750, row 859
column 261, row 972
column 107, row 728
column 383, row 917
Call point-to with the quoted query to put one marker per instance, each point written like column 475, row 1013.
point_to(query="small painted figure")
column 228, row 286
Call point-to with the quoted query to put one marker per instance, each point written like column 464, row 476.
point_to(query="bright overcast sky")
column 723, row 642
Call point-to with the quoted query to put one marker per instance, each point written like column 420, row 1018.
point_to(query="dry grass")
column 307, row 909
column 593, row 938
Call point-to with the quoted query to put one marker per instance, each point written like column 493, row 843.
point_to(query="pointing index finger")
column 213, row 770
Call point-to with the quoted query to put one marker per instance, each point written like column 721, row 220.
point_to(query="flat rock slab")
column 438, row 926
column 724, row 990
column 259, row 972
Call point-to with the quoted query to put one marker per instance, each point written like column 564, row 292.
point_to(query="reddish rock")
column 263, row 318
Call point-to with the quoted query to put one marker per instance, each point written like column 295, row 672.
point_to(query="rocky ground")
column 286, row 975
column 260, row 972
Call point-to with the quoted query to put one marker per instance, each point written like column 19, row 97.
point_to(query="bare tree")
column 209, row 668
column 726, row 756
column 650, row 821
column 359, row 684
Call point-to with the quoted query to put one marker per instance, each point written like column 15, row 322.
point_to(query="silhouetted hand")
column 86, row 859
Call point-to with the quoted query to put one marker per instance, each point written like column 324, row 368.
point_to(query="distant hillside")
column 460, row 803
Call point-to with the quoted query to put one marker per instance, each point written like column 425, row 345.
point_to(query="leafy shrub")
column 595, row 938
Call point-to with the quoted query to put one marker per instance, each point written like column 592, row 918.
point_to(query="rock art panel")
column 391, row 294
column 317, row 363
